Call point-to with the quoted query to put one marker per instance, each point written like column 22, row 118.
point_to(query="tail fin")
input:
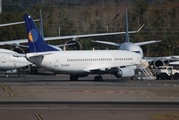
column 127, row 33
column 35, row 40
column 41, row 25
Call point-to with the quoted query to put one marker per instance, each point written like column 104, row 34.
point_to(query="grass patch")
column 167, row 116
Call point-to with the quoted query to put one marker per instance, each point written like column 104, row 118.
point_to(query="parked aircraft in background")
column 79, row 63
column 11, row 61
column 129, row 46
column 135, row 47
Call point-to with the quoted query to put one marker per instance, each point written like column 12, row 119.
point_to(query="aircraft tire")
column 7, row 75
column 176, row 76
column 98, row 78
column 163, row 76
column 73, row 78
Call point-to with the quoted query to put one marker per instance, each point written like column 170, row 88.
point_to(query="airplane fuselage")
column 131, row 47
column 10, row 60
column 77, row 62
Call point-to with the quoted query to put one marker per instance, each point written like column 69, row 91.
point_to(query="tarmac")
column 52, row 97
column 48, row 87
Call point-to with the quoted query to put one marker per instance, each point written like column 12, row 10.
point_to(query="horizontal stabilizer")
column 148, row 42
column 107, row 43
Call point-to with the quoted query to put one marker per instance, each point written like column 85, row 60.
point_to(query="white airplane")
column 129, row 46
column 79, row 63
column 11, row 61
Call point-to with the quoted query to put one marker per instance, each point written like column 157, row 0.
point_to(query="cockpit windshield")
column 136, row 51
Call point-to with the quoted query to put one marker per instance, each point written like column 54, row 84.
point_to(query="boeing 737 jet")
column 79, row 63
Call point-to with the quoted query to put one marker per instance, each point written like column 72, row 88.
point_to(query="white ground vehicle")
column 166, row 73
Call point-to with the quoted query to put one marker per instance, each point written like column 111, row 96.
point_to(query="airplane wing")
column 8, row 24
column 147, row 42
column 15, row 23
column 107, row 69
column 14, row 42
column 17, row 42
column 167, row 58
column 119, row 44
column 107, row 43
column 73, row 37
column 31, row 55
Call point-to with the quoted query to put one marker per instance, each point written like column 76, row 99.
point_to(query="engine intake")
column 76, row 46
column 19, row 50
column 157, row 63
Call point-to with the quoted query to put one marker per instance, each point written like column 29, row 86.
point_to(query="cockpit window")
column 136, row 51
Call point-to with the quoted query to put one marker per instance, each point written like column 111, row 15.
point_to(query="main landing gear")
column 20, row 72
column 73, row 78
column 98, row 78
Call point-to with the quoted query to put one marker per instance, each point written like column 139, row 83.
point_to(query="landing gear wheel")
column 7, row 75
column 34, row 70
column 73, row 78
column 19, row 73
column 163, row 76
column 176, row 76
column 98, row 78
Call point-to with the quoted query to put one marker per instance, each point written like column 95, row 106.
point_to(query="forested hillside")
column 96, row 16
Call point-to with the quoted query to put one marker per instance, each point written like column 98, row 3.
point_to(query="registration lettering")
column 65, row 65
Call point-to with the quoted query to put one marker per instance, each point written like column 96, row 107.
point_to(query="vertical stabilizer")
column 127, row 34
column 35, row 40
column 41, row 25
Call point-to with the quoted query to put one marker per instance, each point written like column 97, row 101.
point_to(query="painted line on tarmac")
column 38, row 116
column 7, row 89
column 94, row 91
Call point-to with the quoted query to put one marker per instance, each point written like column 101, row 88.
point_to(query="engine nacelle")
column 27, row 68
column 158, row 62
column 19, row 50
column 76, row 46
column 126, row 72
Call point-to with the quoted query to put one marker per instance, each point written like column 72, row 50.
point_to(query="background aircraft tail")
column 41, row 25
column 35, row 40
column 127, row 33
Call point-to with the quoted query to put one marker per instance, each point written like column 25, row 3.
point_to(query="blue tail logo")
column 35, row 40
column 33, row 35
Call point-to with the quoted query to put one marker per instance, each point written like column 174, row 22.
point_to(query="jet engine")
column 126, row 72
column 159, row 62
column 75, row 46
column 19, row 50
